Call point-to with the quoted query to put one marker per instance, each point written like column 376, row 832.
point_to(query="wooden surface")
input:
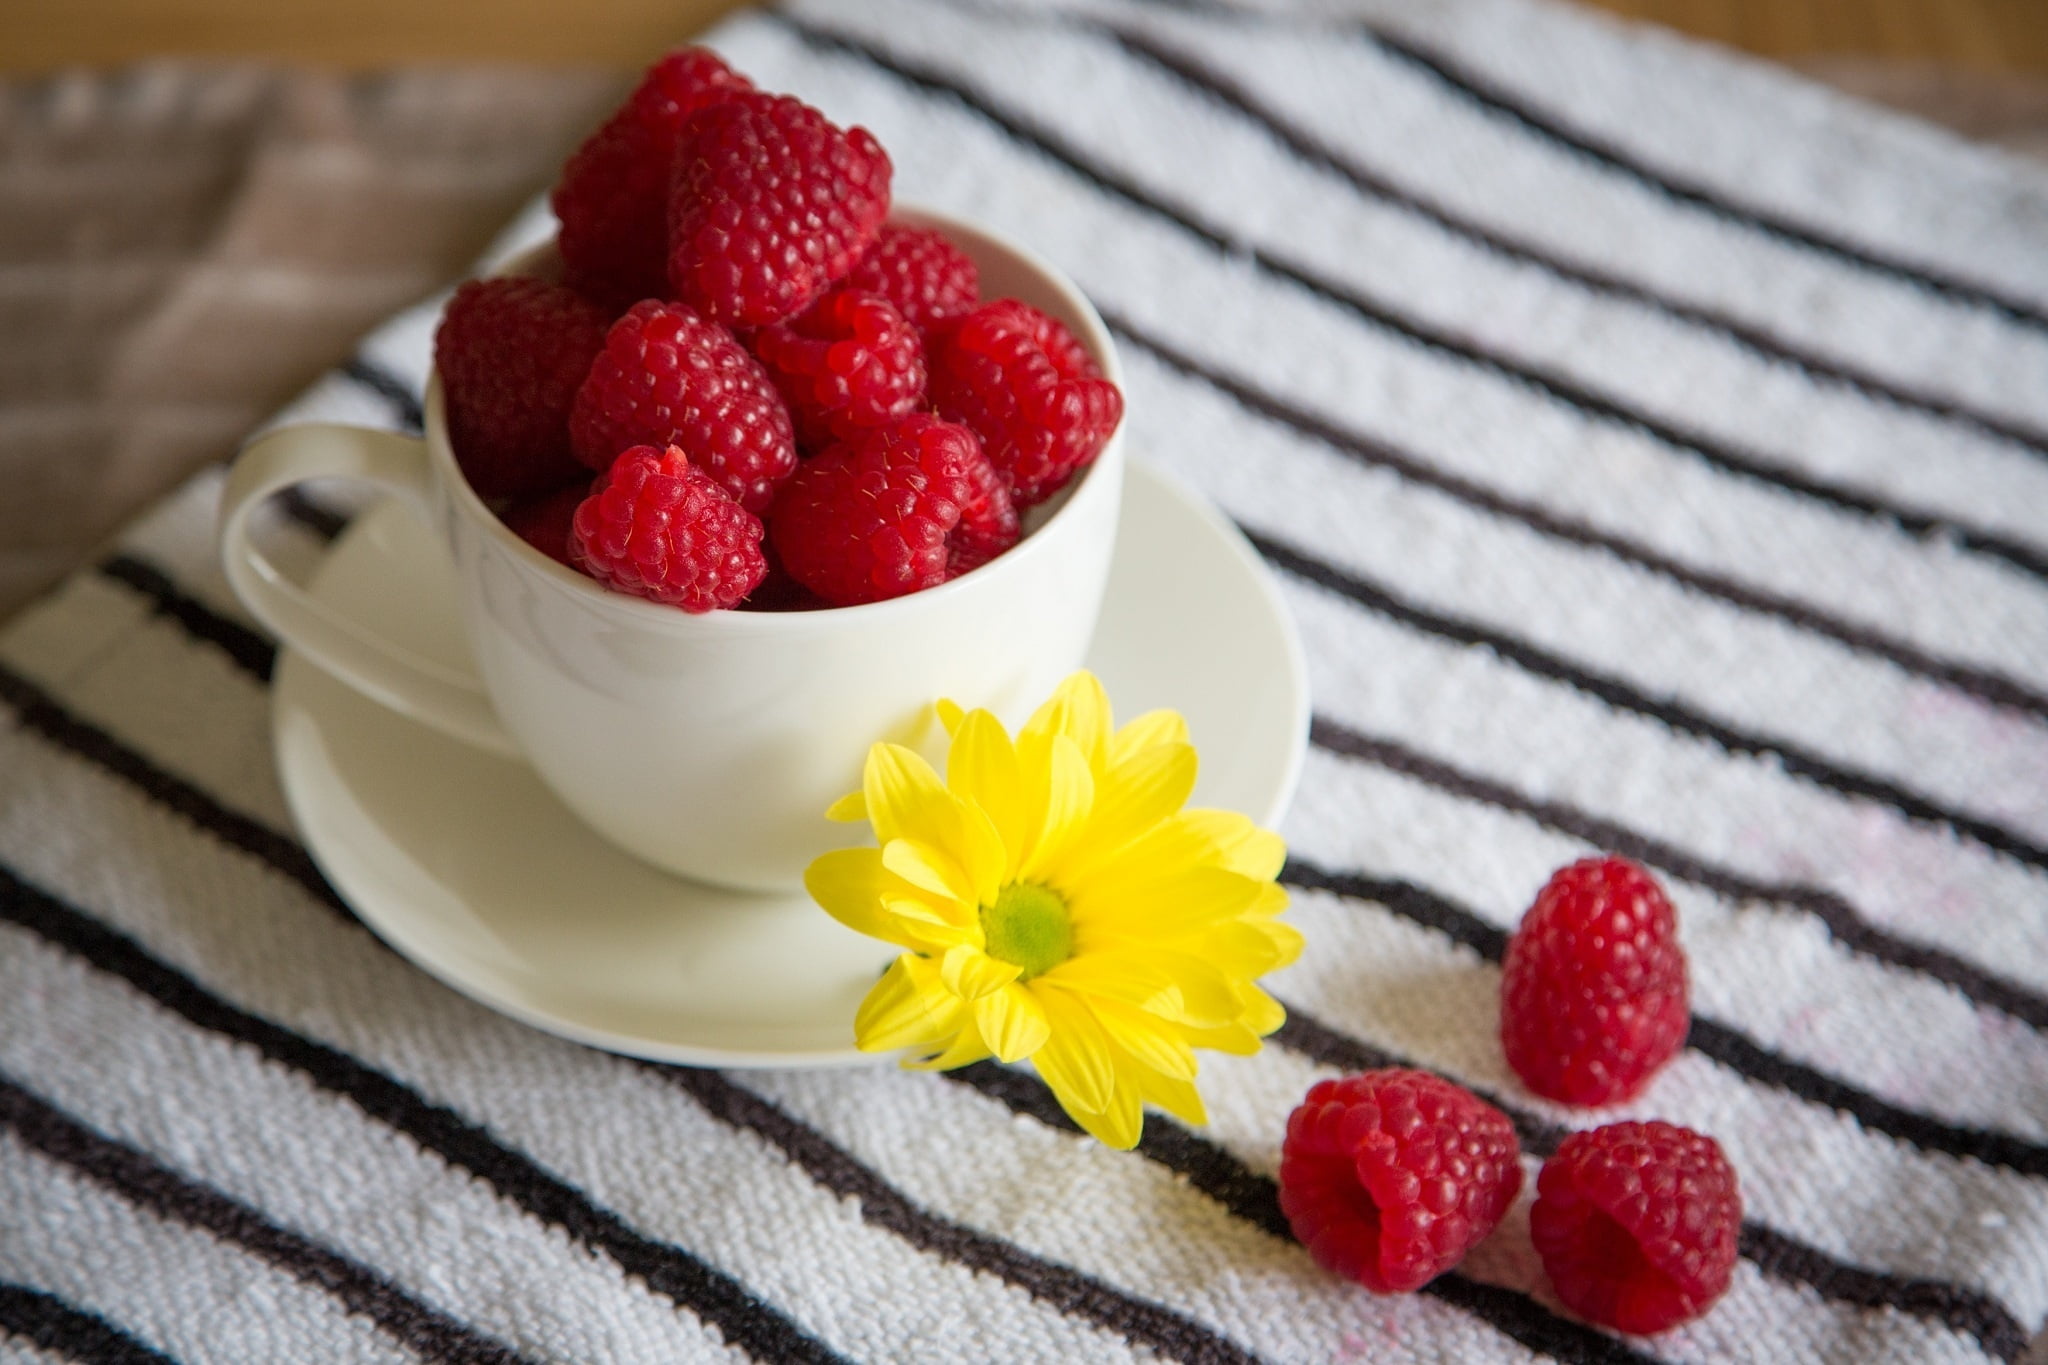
column 35, row 35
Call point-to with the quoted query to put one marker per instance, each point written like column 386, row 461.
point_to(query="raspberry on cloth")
column 1637, row 1224
column 1391, row 1176
column 1594, row 991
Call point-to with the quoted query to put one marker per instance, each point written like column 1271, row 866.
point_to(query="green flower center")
column 1028, row 926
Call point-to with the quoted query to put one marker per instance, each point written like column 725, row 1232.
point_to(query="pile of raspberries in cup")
column 1390, row 1177
column 747, row 388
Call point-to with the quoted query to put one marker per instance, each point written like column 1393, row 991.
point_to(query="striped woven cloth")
column 1653, row 451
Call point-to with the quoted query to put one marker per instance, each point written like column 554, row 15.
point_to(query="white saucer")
column 468, row 866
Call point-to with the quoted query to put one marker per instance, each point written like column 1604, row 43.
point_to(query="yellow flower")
column 1057, row 903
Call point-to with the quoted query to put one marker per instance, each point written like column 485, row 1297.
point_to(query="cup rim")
column 1093, row 484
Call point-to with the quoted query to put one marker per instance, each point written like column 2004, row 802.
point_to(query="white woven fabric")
column 1653, row 450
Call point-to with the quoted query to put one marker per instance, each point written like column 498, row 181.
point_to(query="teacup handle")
column 354, row 651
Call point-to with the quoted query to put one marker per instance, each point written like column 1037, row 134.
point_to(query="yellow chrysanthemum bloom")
column 1059, row 904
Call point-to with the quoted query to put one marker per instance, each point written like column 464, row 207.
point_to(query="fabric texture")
column 1653, row 452
column 184, row 247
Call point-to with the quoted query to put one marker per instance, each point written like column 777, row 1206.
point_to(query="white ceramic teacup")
column 709, row 745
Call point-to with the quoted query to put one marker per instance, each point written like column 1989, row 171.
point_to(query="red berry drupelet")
column 1027, row 388
column 511, row 352
column 989, row 523
column 1637, row 1224
column 847, row 364
column 1390, row 1177
column 1594, row 996
column 771, row 204
column 872, row 518
column 612, row 199
column 667, row 377
column 658, row 527
column 917, row 269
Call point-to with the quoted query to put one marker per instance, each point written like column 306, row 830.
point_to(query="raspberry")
column 543, row 522
column 771, row 204
column 612, row 199
column 847, row 364
column 1593, row 995
column 870, row 518
column 668, row 377
column 1390, row 1177
column 658, row 527
column 988, row 524
column 1027, row 388
column 511, row 352
column 1637, row 1224
column 917, row 269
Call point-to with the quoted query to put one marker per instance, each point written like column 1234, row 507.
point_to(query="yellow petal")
column 1241, row 949
column 1148, row 1039
column 1069, row 795
column 1127, row 974
column 1013, row 1021
column 1117, row 1124
column 1177, row 1097
column 1130, row 799
column 1246, row 848
column 908, row 1007
column 981, row 768
column 1152, row 728
column 949, row 714
column 1203, row 995
column 1262, row 1013
column 1075, row 1060
column 848, row 809
column 971, row 973
column 983, row 854
column 1078, row 709
column 848, row 882
column 967, row 1046
column 1236, row 1039
column 1175, row 904
column 1287, row 942
column 929, row 869
column 905, row 798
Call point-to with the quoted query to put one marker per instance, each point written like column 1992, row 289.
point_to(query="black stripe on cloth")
column 134, row 1176
column 1255, row 1199
column 1723, row 1043
column 1224, row 89
column 1777, row 1255
column 252, row 652
column 1518, row 108
column 716, row 1299
column 1218, row 1169
column 41, row 714
column 405, row 404
column 1845, row 923
column 1139, row 1321
column 1722, row 455
column 1981, row 683
column 50, row 1324
column 1534, row 659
